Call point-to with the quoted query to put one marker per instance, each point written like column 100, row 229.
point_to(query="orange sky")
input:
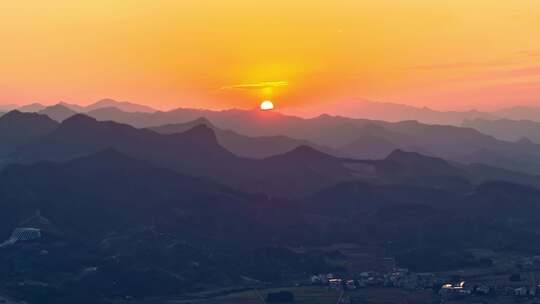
column 457, row 54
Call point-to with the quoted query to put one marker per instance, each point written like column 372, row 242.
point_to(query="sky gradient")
column 458, row 54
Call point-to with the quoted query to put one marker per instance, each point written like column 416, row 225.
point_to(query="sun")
column 267, row 105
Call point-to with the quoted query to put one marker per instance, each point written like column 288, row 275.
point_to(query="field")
column 390, row 296
column 303, row 295
column 322, row 295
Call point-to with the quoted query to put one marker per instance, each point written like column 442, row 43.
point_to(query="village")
column 487, row 285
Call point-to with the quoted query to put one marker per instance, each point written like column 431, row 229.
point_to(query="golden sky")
column 444, row 54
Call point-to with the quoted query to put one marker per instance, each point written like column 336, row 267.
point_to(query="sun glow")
column 267, row 105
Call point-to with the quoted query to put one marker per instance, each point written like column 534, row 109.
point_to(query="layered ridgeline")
column 242, row 145
column 261, row 134
column 506, row 129
column 195, row 151
column 359, row 108
column 103, row 103
column 140, row 213
column 356, row 138
column 298, row 167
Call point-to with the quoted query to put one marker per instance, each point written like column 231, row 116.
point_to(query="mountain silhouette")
column 506, row 129
column 394, row 112
column 519, row 113
column 253, row 147
column 60, row 109
column 57, row 112
column 195, row 152
column 121, row 105
column 17, row 128
column 33, row 107
column 120, row 192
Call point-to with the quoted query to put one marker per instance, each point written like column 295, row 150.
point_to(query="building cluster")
column 399, row 278
column 463, row 290
column 447, row 288
column 403, row 278
column 333, row 282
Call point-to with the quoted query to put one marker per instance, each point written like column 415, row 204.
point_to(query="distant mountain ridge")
column 358, row 108
column 336, row 135
column 254, row 147
column 122, row 105
column 507, row 129
column 392, row 112
column 357, row 138
column 60, row 109
column 58, row 112
column 197, row 151
column 519, row 113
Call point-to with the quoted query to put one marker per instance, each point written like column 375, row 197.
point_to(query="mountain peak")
column 106, row 101
column 202, row 121
column 58, row 106
column 79, row 120
column 19, row 126
column 305, row 153
column 33, row 107
column 16, row 115
column 121, row 105
column 199, row 132
column 400, row 155
column 58, row 112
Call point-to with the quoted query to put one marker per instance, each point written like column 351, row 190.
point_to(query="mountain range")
column 195, row 151
column 211, row 199
column 392, row 112
column 356, row 138
column 198, row 148
column 257, row 134
column 357, row 108
column 63, row 107
column 507, row 129
column 242, row 145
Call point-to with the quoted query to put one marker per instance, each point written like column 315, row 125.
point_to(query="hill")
column 57, row 112
column 195, row 152
column 506, row 129
column 247, row 146
column 17, row 128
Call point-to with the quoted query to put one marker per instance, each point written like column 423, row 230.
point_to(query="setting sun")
column 267, row 105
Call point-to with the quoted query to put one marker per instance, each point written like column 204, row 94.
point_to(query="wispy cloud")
column 258, row 85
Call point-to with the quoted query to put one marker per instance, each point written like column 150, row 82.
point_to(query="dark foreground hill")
column 120, row 227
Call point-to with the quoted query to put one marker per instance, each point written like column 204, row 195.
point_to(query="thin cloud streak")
column 258, row 85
